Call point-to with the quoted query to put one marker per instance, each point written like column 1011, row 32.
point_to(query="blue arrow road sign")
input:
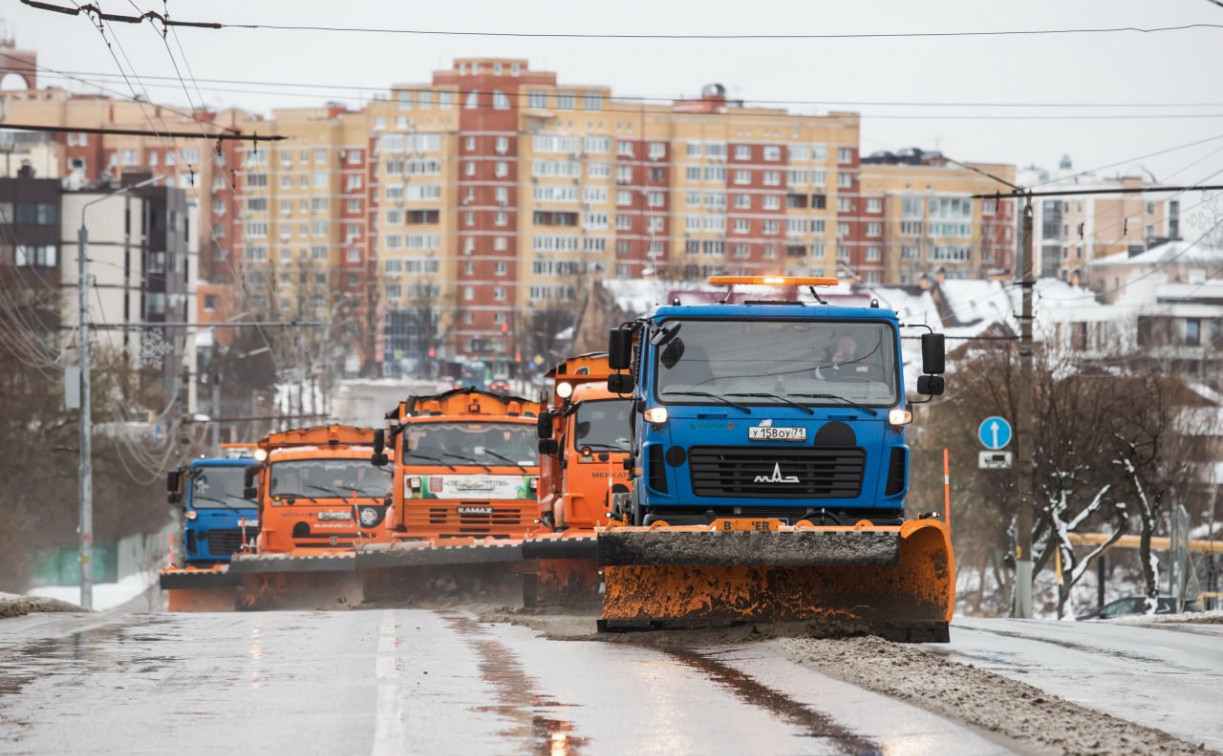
column 995, row 433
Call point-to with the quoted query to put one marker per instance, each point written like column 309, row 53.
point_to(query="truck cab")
column 465, row 464
column 218, row 519
column 772, row 408
column 585, row 437
column 317, row 491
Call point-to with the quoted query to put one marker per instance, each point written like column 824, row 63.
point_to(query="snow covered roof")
column 1182, row 252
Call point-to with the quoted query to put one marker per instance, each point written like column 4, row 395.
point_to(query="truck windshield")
column 483, row 444
column 218, row 488
column 603, row 425
column 324, row 478
column 809, row 362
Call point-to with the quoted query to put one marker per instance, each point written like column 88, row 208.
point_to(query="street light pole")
column 86, row 425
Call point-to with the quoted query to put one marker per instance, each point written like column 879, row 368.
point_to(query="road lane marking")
column 388, row 723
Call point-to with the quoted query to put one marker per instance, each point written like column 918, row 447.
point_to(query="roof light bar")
column 772, row 281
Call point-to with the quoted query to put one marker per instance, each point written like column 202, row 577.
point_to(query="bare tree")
column 1152, row 460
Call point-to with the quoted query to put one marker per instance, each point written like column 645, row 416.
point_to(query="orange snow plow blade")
column 894, row 581
column 198, row 589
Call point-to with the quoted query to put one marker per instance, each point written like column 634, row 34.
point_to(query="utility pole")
column 86, row 479
column 1025, row 470
column 85, row 526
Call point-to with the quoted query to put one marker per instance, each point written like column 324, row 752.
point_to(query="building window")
column 874, row 206
column 500, row 101
column 564, row 101
column 845, row 180
column 473, row 100
column 772, row 154
column 594, row 102
column 845, row 155
column 537, row 100
column 1193, row 332
column 743, row 152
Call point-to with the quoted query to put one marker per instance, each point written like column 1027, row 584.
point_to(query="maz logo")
column 777, row 476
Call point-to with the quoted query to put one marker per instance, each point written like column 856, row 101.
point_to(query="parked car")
column 1138, row 605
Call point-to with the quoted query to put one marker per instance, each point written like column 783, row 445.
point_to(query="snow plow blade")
column 297, row 580
column 562, row 570
column 198, row 589
column 893, row 581
column 429, row 571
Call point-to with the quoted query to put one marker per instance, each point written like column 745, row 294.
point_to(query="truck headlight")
column 899, row 417
column 190, row 514
column 655, row 415
column 564, row 390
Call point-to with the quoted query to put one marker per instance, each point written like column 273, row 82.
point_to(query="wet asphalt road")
column 396, row 681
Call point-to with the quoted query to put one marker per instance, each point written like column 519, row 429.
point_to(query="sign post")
column 995, row 434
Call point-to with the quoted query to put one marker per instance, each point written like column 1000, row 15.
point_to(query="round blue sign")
column 995, row 433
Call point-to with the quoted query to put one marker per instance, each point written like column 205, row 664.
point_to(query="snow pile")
column 14, row 605
column 105, row 595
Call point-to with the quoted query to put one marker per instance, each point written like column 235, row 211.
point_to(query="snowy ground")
column 67, row 598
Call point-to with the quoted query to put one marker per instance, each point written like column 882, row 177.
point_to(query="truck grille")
column 222, row 542
column 449, row 516
column 777, row 473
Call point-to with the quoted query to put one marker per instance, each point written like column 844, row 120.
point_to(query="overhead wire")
column 332, row 88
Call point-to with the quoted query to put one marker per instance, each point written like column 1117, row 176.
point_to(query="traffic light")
column 432, row 352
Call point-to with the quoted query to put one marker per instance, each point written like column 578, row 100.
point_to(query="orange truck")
column 465, row 469
column 318, row 499
column 583, row 444
column 584, row 440
column 465, row 466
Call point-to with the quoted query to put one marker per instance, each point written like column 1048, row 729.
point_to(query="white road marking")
column 388, row 725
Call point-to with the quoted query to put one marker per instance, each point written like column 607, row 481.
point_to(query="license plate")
column 769, row 433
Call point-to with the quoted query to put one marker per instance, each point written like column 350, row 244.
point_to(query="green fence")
column 63, row 566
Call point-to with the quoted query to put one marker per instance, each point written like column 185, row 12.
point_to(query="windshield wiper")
column 452, row 455
column 719, row 397
column 428, row 458
column 779, row 397
column 850, row 402
column 202, row 497
column 295, row 496
column 504, row 458
column 608, row 447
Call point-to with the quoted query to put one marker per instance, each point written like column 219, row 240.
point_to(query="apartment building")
column 921, row 221
column 1072, row 231
column 464, row 216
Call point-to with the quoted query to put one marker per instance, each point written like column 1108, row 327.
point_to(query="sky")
column 1169, row 77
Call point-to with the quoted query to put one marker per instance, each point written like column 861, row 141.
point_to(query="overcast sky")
column 1178, row 69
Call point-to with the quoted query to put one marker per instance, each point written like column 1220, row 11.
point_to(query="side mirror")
column 620, row 349
column 933, row 353
column 620, row 383
column 174, row 482
column 379, row 442
column 930, row 385
column 250, row 490
column 549, row 446
column 543, row 427
column 379, row 459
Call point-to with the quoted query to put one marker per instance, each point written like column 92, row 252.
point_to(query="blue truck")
column 770, row 468
column 217, row 518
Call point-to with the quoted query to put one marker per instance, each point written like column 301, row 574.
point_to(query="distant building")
column 922, row 223
column 140, row 265
column 1069, row 232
